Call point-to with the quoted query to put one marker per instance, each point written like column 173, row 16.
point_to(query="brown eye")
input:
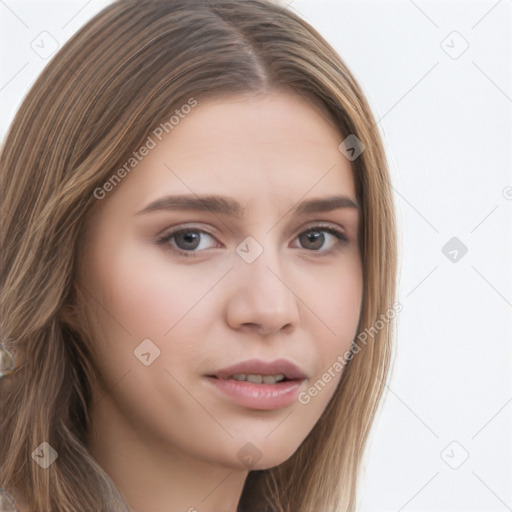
column 312, row 240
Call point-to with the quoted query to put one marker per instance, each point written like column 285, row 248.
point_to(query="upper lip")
column 259, row 367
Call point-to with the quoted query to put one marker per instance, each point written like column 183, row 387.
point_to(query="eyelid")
column 166, row 235
column 333, row 229
column 172, row 230
column 319, row 224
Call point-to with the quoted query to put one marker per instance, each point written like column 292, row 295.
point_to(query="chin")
column 266, row 457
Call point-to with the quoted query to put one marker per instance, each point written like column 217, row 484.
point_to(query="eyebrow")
column 228, row 206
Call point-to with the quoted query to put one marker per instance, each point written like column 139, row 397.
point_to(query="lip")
column 259, row 396
column 259, row 367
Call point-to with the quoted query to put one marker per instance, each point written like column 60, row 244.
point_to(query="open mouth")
column 257, row 391
column 255, row 378
column 258, row 371
column 259, row 384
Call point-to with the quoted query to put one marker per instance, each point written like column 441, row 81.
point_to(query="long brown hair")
column 125, row 71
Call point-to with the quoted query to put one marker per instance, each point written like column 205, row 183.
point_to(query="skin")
column 167, row 439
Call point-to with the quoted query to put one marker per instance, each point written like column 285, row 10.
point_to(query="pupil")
column 314, row 237
column 189, row 238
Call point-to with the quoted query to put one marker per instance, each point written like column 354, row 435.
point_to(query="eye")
column 315, row 238
column 186, row 240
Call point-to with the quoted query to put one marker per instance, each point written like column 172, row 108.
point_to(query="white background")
column 446, row 122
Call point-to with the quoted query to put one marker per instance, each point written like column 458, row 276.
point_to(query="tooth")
column 256, row 379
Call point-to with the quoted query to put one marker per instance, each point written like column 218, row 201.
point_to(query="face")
column 224, row 284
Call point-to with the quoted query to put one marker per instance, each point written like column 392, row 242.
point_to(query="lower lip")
column 258, row 396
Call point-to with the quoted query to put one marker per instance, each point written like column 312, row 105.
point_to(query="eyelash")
column 342, row 239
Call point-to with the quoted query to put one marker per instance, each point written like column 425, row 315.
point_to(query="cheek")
column 336, row 300
column 164, row 301
column 337, row 311
column 142, row 296
column 145, row 314
column 145, row 292
column 180, row 309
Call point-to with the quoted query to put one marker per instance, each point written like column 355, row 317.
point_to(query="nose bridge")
column 262, row 271
column 262, row 297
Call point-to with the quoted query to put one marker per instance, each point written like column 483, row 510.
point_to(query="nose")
column 261, row 300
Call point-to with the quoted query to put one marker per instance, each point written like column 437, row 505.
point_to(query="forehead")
column 277, row 119
column 272, row 149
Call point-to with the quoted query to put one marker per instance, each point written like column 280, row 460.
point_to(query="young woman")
column 198, row 261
